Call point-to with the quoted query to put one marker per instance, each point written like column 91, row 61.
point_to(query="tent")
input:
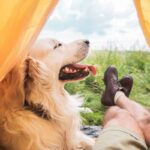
column 143, row 10
column 20, row 24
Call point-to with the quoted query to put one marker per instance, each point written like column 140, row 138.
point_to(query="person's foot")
column 113, row 85
column 126, row 83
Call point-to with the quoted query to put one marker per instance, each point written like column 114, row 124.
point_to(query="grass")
column 137, row 64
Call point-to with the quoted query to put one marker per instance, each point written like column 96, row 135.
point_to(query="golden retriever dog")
column 50, row 120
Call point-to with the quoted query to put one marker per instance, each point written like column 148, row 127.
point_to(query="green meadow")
column 137, row 64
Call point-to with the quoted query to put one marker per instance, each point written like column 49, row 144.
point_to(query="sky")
column 108, row 24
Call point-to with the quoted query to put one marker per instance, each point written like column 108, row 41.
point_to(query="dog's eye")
column 58, row 45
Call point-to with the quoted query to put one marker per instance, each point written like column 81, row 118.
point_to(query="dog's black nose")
column 87, row 42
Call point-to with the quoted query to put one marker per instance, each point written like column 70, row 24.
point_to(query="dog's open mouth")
column 76, row 72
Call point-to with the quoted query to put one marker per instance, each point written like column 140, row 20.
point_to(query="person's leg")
column 138, row 112
column 118, row 117
column 120, row 131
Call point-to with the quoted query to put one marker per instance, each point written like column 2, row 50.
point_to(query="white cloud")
column 105, row 23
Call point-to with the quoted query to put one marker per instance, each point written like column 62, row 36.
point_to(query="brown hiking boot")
column 126, row 83
column 113, row 85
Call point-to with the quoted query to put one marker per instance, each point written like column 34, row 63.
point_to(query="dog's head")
column 62, row 59
column 49, row 68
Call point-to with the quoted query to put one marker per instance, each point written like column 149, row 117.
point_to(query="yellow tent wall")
column 143, row 10
column 20, row 24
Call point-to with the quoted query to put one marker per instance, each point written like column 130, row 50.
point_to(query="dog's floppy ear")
column 31, row 69
column 36, row 69
column 37, row 82
column 37, row 73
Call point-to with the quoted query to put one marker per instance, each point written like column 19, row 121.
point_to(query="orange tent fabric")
column 20, row 24
column 143, row 10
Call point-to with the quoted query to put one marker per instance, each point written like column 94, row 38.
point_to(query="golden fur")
column 21, row 129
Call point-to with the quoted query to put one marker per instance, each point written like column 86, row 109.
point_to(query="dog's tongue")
column 91, row 68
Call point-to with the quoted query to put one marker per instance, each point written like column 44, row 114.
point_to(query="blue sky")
column 106, row 23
